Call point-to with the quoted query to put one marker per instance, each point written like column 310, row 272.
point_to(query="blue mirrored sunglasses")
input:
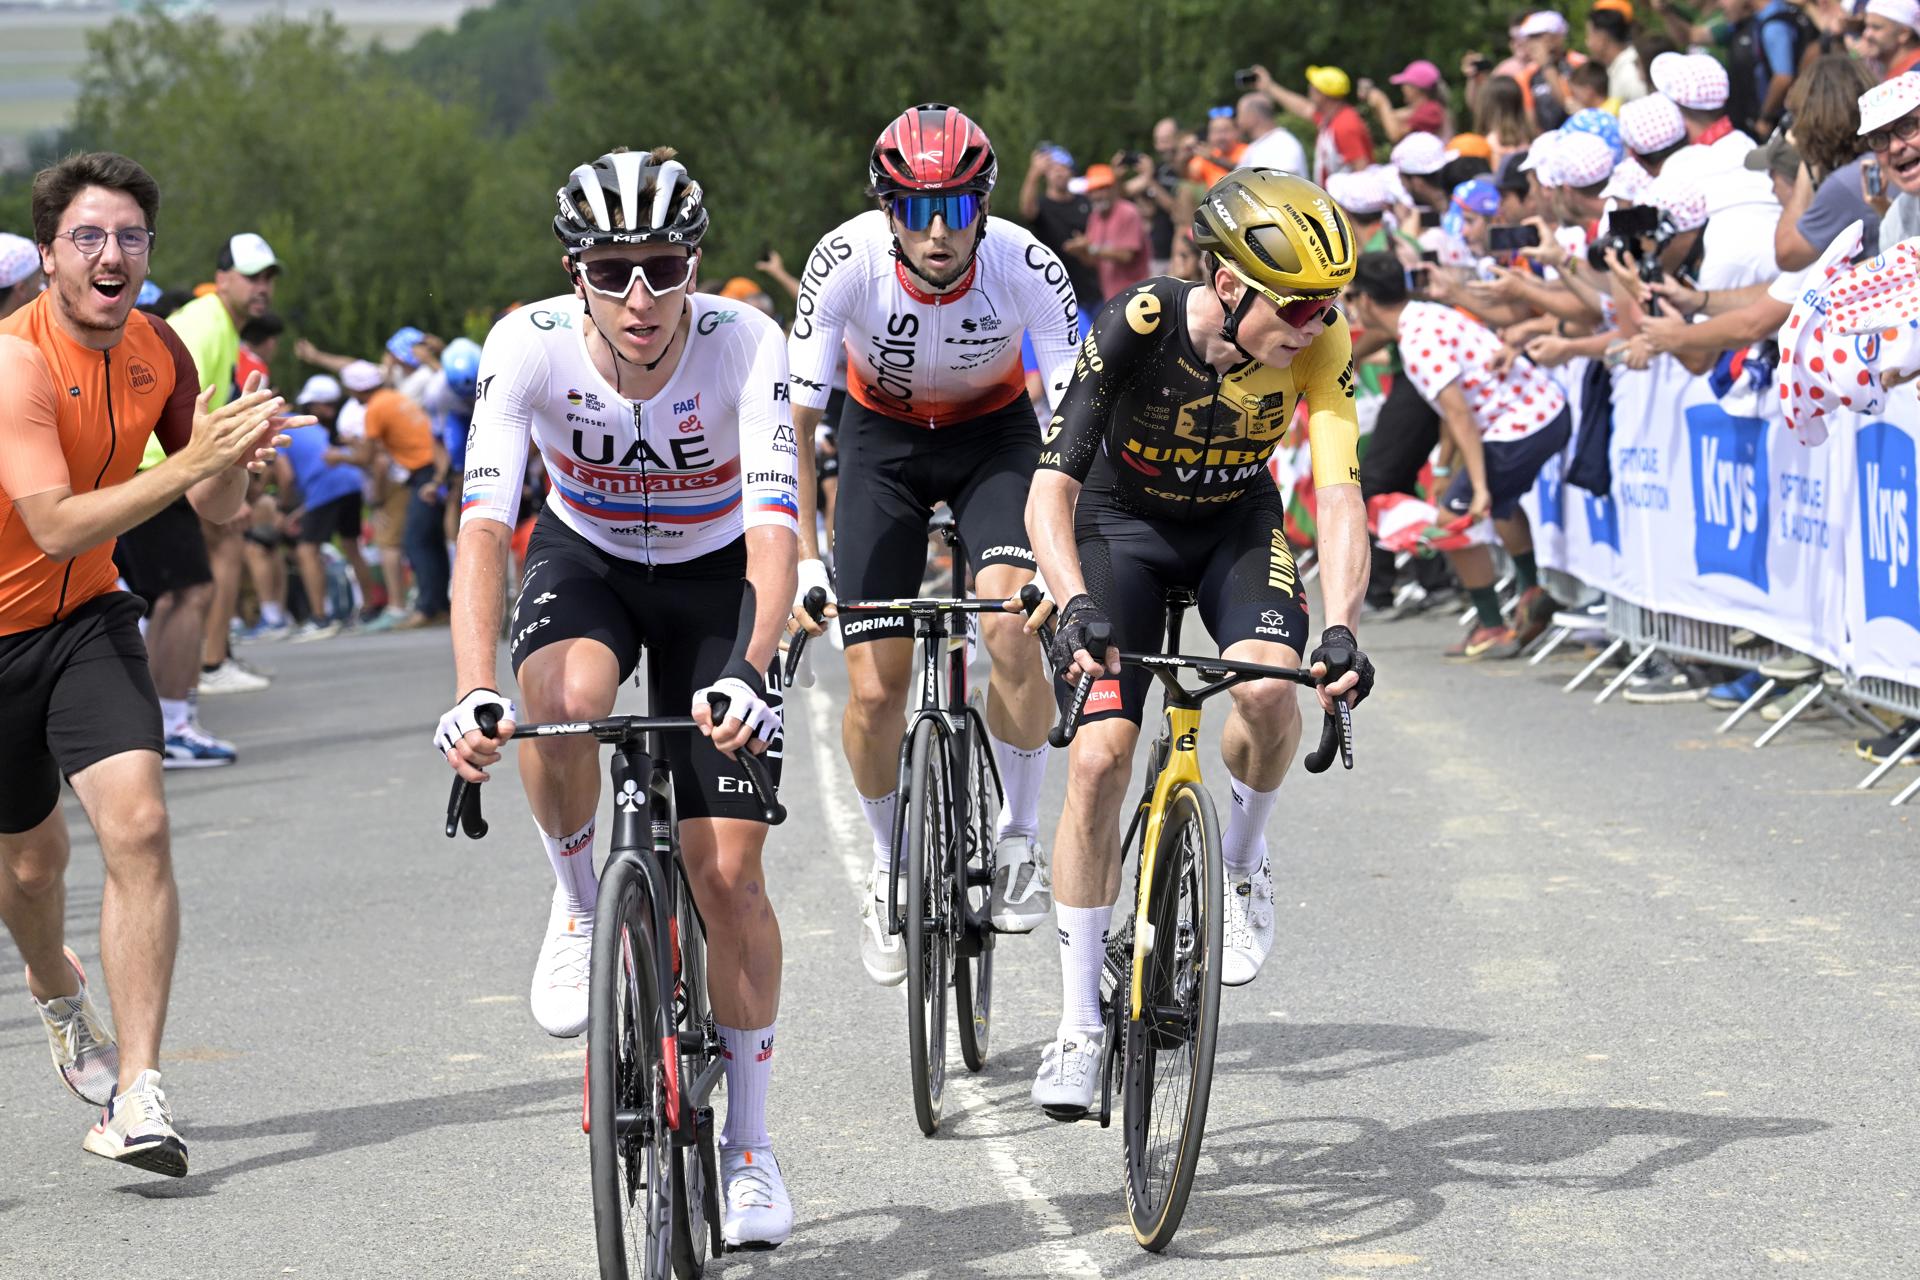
column 917, row 212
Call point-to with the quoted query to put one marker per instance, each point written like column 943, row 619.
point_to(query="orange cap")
column 1098, row 176
column 1470, row 144
column 740, row 288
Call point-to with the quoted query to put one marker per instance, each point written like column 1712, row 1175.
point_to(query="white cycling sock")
column 1083, row 948
column 1245, row 842
column 175, row 715
column 879, row 811
column 749, row 1066
column 572, row 859
column 1021, row 772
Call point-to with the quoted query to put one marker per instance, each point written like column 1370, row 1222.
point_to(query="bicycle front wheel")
column 630, row 1141
column 973, row 962
column 1169, row 1047
column 929, row 909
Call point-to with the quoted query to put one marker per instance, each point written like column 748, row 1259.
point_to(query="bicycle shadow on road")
column 340, row 1129
column 1287, row 1050
column 1343, row 1181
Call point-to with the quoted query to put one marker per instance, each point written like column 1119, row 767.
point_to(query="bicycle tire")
column 928, row 906
column 973, row 974
column 632, row 1182
column 696, row 1228
column 1169, row 1049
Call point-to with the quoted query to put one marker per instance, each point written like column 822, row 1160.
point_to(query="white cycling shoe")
column 1022, row 891
column 1248, row 925
column 755, row 1211
column 560, row 974
column 882, row 954
column 1069, row 1075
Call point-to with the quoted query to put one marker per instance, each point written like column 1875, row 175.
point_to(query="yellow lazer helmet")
column 1278, row 232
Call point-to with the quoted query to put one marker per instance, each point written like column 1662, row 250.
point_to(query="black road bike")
column 653, row 1056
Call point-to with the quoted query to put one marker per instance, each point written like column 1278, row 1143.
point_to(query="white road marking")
column 855, row 843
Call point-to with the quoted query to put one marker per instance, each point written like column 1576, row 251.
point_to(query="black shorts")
column 166, row 553
column 340, row 516
column 71, row 695
column 1236, row 561
column 685, row 615
column 1512, row 467
column 893, row 474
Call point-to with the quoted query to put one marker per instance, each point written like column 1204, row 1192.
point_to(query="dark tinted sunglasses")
column 1903, row 128
column 956, row 209
column 614, row 277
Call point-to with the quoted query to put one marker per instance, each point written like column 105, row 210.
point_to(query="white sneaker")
column 309, row 631
column 1249, row 925
column 755, row 1212
column 1069, row 1073
column 883, row 954
column 560, row 975
column 83, row 1048
column 136, row 1128
column 1022, row 892
column 230, row 677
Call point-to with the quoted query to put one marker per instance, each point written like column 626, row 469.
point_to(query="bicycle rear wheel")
column 929, row 908
column 1169, row 1048
column 629, row 1139
column 696, row 1227
column 973, row 961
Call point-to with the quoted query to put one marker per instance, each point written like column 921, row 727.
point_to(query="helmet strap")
column 1230, row 323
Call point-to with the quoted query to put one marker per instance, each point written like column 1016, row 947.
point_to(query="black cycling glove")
column 1071, row 635
column 1341, row 652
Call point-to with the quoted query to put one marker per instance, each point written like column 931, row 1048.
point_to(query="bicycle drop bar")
column 463, row 806
column 1336, row 729
column 816, row 607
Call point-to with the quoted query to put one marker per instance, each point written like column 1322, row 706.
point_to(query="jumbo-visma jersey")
column 662, row 481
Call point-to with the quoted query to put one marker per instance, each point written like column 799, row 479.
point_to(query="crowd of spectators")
column 1652, row 189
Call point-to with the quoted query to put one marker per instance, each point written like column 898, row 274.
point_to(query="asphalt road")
column 1560, row 991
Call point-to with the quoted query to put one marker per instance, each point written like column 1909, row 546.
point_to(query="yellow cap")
column 1331, row 81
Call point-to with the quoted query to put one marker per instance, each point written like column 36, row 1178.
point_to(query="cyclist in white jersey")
column 663, row 421
column 929, row 298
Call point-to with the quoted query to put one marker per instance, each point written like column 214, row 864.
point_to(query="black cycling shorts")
column 71, row 695
column 893, row 474
column 340, row 516
column 684, row 615
column 164, row 553
column 1236, row 561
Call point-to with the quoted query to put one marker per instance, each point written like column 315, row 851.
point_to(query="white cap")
column 1696, row 81
column 1420, row 154
column 363, row 375
column 1582, row 159
column 1540, row 158
column 249, row 254
column 1904, row 12
column 1887, row 101
column 1628, row 183
column 319, row 389
column 1544, row 23
column 1362, row 192
column 1679, row 197
column 19, row 258
column 1651, row 123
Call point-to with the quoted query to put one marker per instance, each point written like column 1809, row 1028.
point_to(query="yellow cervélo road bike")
column 1160, row 988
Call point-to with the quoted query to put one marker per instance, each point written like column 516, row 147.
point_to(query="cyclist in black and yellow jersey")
column 1153, row 476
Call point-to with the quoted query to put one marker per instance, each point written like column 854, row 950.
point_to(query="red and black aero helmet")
column 932, row 147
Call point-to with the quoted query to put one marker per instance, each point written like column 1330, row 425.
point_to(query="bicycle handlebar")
column 1336, row 729
column 463, row 805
